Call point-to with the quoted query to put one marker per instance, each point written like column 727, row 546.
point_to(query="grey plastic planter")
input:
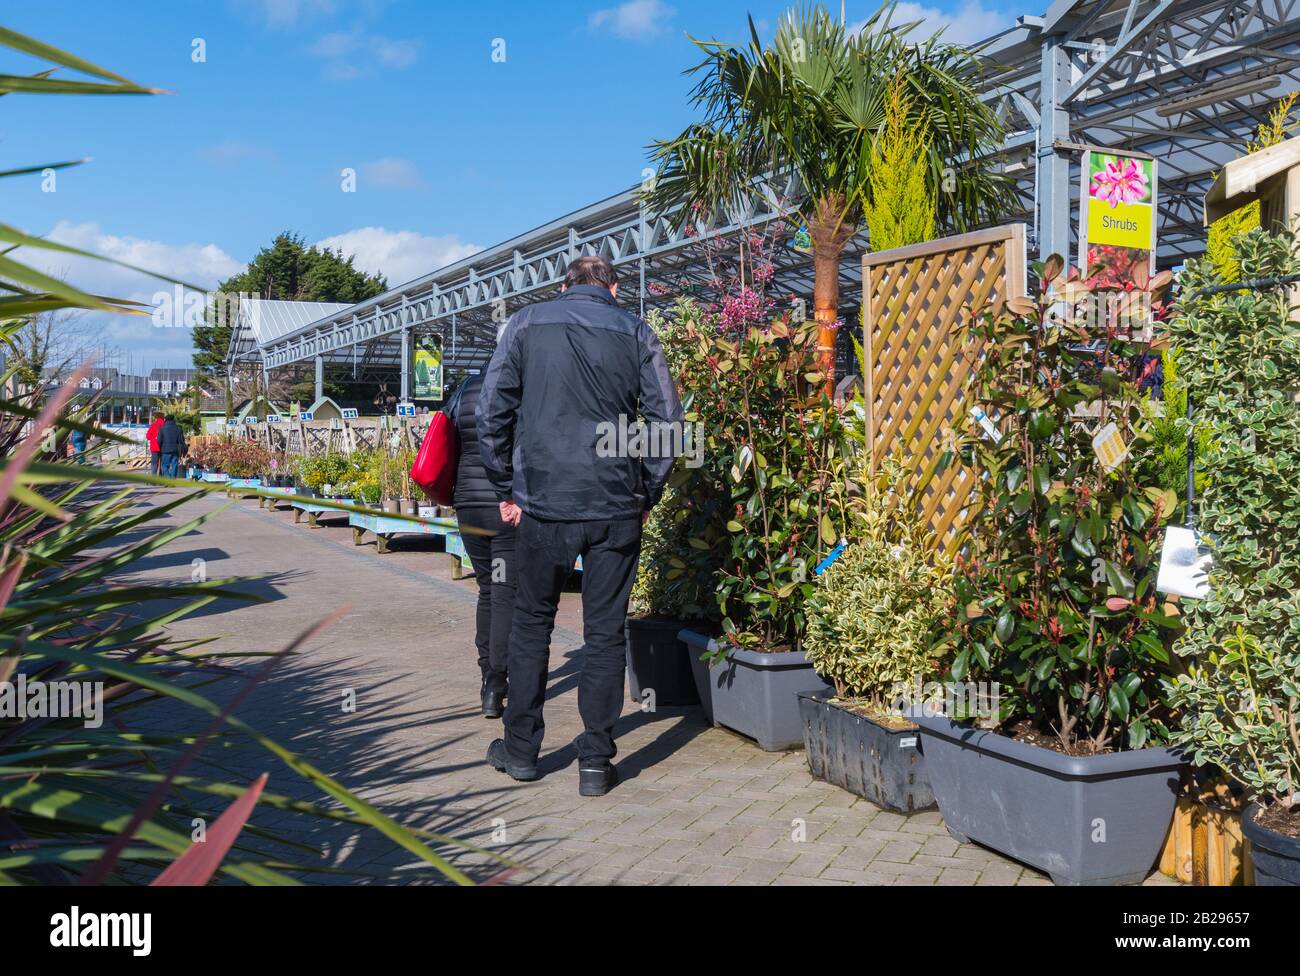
column 1276, row 857
column 657, row 660
column 1084, row 820
column 754, row 693
column 873, row 761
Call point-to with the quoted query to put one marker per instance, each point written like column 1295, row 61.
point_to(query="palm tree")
column 811, row 106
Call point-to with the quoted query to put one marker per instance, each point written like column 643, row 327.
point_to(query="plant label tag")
column 1109, row 447
column 990, row 429
column 907, row 742
column 1185, row 564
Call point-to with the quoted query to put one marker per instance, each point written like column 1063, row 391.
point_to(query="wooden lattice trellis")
column 914, row 299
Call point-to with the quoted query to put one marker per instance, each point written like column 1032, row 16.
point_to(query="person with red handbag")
column 491, row 549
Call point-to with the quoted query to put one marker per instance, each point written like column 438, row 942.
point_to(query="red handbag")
column 434, row 469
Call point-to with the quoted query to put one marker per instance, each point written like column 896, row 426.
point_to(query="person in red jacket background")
column 151, row 435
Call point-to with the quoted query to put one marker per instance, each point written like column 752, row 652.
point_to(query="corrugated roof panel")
column 269, row 319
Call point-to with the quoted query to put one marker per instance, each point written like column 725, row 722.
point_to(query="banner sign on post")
column 427, row 366
column 1117, row 223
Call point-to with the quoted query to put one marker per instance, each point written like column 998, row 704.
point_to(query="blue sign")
column 305, row 415
column 350, row 413
column 406, row 410
column 232, row 421
column 272, row 418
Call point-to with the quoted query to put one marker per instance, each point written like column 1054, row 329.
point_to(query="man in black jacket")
column 171, row 444
column 566, row 384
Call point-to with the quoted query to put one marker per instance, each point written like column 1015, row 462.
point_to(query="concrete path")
column 697, row 805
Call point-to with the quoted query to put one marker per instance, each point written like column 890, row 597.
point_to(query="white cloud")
column 636, row 20
column 287, row 13
column 230, row 152
column 346, row 52
column 969, row 23
column 399, row 255
column 201, row 265
column 390, row 173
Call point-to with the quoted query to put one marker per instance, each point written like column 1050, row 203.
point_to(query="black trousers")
column 546, row 554
column 493, row 557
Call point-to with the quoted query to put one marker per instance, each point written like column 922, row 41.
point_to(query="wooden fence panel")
column 914, row 301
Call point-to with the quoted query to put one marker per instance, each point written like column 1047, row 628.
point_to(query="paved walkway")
column 696, row 805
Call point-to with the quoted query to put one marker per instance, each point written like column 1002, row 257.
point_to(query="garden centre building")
column 1185, row 82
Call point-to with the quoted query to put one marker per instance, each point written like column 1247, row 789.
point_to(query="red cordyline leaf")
column 196, row 866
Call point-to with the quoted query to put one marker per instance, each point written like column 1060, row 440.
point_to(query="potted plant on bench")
column 1055, row 611
column 871, row 623
column 1240, row 701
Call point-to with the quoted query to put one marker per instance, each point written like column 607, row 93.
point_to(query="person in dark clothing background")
column 492, row 553
column 171, row 445
column 565, row 374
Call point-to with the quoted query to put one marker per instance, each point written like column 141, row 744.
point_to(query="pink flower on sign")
column 1122, row 181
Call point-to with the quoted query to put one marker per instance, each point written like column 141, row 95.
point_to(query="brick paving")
column 696, row 805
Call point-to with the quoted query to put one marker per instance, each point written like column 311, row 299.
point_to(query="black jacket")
column 566, row 375
column 171, row 439
column 472, row 489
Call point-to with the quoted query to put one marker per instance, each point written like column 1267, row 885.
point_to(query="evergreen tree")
column 287, row 270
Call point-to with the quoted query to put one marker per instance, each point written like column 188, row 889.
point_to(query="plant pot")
column 1082, row 819
column 390, row 505
column 856, row 753
column 410, row 506
column 1276, row 857
column 657, row 660
column 754, row 692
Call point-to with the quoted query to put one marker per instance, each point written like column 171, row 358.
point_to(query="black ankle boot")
column 493, row 703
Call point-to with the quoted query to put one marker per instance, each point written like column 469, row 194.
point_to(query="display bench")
column 315, row 512
column 214, row 477
column 386, row 527
column 239, row 487
column 265, row 499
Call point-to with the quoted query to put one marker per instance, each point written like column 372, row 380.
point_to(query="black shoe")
column 493, row 703
column 500, row 760
column 597, row 780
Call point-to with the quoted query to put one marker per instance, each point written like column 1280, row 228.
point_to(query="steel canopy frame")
column 1138, row 75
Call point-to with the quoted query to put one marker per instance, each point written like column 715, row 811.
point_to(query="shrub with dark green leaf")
column 1055, row 597
column 1240, row 353
column 776, row 459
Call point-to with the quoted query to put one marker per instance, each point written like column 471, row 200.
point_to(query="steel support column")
column 1053, row 165
column 320, row 377
column 406, row 364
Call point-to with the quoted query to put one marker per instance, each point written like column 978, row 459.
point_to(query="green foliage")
column 1220, row 247
column 872, row 613
column 813, row 102
column 1055, row 596
column 287, row 269
column 900, row 204
column 775, row 455
column 331, row 469
column 1240, row 354
column 1164, row 462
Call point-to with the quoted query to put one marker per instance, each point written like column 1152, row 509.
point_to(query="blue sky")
column 453, row 150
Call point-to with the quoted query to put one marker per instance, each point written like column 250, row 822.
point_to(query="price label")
column 232, row 421
column 305, row 416
column 272, row 418
column 250, row 420
column 1109, row 447
column 350, row 413
column 406, row 409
